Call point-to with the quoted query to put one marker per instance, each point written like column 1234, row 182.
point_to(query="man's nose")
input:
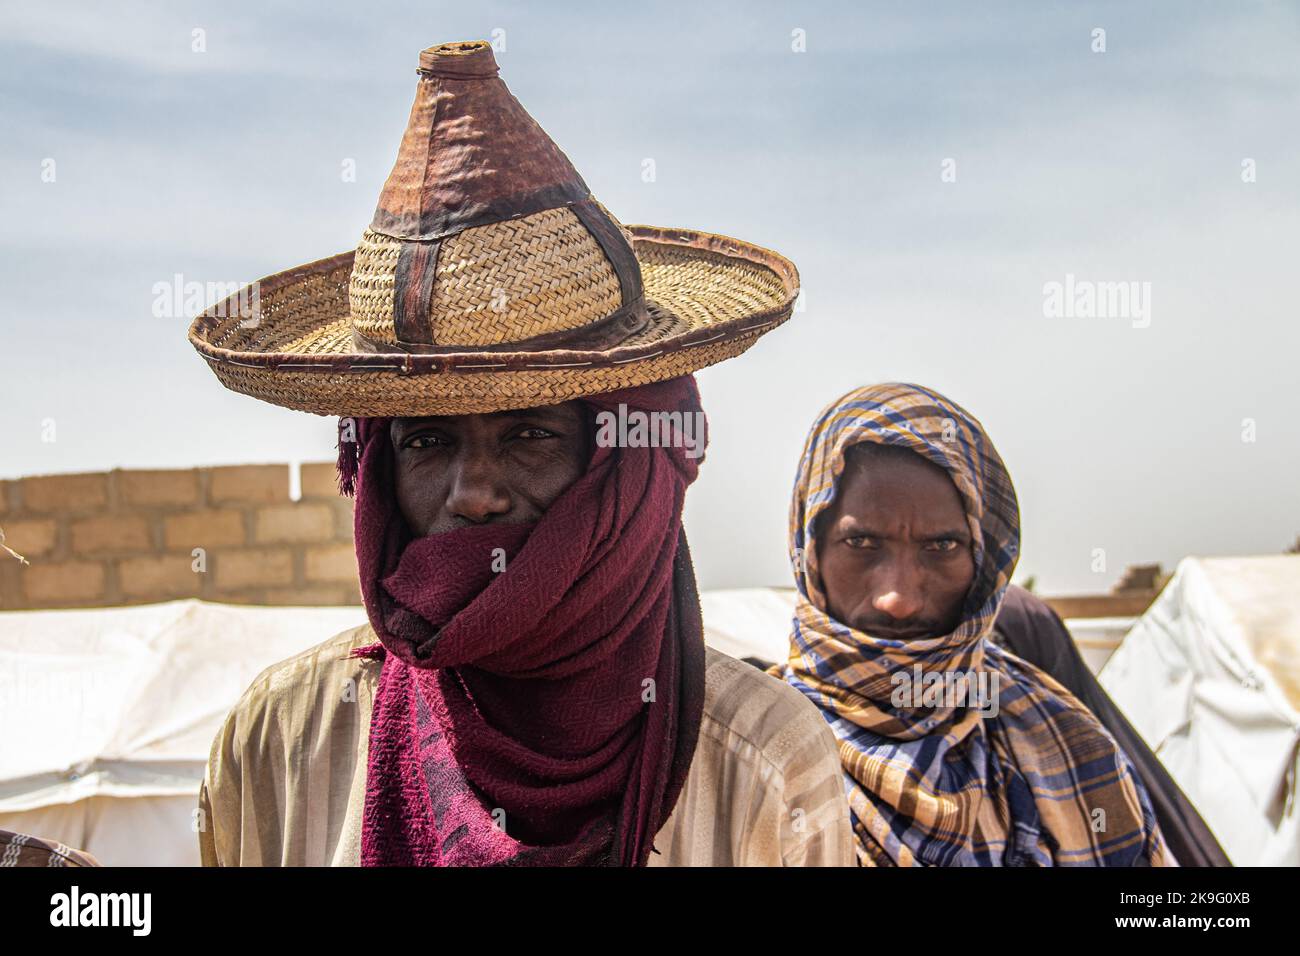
column 898, row 592
column 478, row 491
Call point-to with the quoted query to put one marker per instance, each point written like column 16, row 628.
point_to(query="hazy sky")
column 1128, row 434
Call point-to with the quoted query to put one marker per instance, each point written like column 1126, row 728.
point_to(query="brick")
column 111, row 533
column 253, row 567
column 30, row 538
column 344, row 519
column 10, row 591
column 293, row 523
column 159, row 576
column 152, row 488
column 212, row 528
column 245, row 597
column 260, row 484
column 334, row 563
column 319, row 479
column 315, row 595
column 86, row 492
column 62, row 583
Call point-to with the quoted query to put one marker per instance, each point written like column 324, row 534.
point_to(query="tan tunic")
column 286, row 779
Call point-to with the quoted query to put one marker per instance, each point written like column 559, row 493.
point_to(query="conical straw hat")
column 490, row 278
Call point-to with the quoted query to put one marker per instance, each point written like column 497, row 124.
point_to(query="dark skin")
column 452, row 471
column 894, row 550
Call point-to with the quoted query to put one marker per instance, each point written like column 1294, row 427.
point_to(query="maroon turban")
column 547, row 713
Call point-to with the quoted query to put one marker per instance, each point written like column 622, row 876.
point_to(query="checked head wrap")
column 936, row 781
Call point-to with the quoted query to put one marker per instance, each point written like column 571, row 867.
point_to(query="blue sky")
column 1117, row 166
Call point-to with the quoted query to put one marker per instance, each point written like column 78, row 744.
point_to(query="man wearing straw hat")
column 532, row 685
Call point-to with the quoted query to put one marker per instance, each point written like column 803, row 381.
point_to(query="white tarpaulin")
column 750, row 622
column 106, row 716
column 1210, row 676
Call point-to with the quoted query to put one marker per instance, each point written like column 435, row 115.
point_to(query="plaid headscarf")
column 1041, row 783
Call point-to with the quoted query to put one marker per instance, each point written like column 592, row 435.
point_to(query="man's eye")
column 860, row 541
column 944, row 545
column 426, row 441
column 536, row 433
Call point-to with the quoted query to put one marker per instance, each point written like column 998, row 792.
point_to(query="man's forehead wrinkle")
column 882, row 499
column 865, row 455
column 876, row 524
column 868, row 466
column 883, row 521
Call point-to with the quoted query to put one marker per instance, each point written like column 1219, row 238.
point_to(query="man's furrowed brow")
column 853, row 526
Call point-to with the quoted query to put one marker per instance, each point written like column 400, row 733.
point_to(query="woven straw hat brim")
column 710, row 296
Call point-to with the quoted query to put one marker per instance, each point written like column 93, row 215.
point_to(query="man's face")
column 459, row 470
column 893, row 548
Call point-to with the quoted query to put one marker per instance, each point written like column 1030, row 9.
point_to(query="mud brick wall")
column 130, row 537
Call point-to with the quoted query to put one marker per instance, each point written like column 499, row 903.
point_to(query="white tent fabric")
column 749, row 622
column 106, row 716
column 1210, row 676
column 1097, row 637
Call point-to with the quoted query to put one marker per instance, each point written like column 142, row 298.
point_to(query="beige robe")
column 285, row 782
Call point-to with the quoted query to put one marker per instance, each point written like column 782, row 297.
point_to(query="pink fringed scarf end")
column 349, row 460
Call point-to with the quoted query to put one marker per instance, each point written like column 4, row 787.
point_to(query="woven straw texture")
column 494, row 284
column 710, row 298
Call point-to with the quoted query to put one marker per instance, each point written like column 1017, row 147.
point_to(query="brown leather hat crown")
column 485, row 235
column 490, row 278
